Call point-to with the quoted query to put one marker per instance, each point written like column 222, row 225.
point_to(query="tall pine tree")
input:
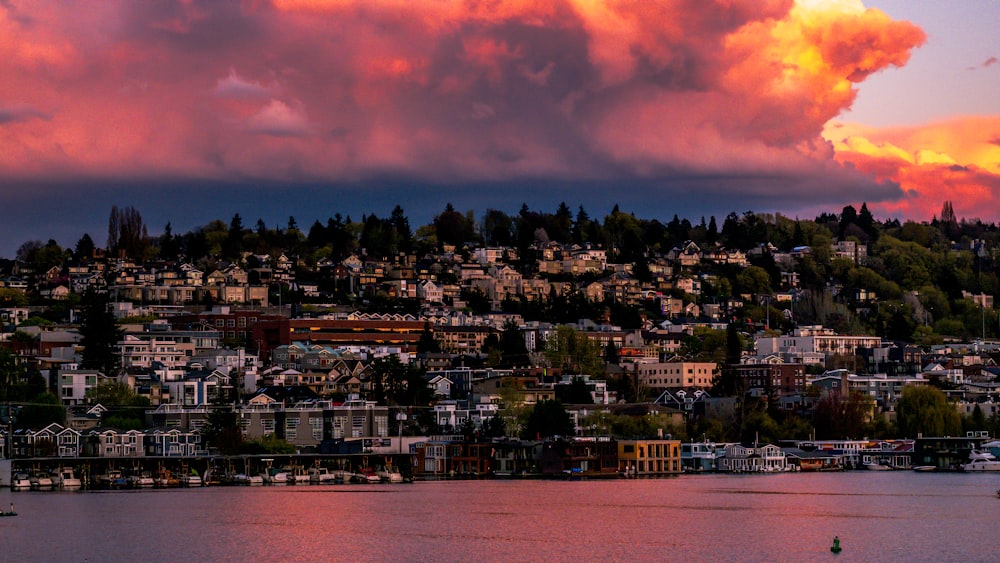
column 100, row 335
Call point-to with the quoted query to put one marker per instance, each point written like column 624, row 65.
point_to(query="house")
column 440, row 385
column 649, row 457
column 581, row 456
column 173, row 442
column 744, row 459
column 111, row 442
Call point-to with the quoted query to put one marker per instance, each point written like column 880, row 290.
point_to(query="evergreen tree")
column 547, row 419
column 100, row 335
column 84, row 248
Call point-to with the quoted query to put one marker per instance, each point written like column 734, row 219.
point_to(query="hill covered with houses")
column 532, row 324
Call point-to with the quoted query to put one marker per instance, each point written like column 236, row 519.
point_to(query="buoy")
column 836, row 544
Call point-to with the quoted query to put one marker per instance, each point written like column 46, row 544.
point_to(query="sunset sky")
column 192, row 111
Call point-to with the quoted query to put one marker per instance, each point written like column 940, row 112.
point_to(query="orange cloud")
column 956, row 160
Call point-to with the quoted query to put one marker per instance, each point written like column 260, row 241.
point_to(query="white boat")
column 877, row 467
column 40, row 480
column 142, row 480
column 244, row 479
column 20, row 482
column 68, row 479
column 275, row 477
column 321, row 476
column 297, row 476
column 390, row 475
column 981, row 461
column 191, row 479
column 925, row 468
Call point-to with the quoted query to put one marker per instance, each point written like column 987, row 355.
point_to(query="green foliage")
column 574, row 352
column 35, row 321
column 43, row 409
column 623, row 426
column 100, row 335
column 547, row 419
column 836, row 417
column 10, row 297
column 576, row 393
column 222, row 431
column 923, row 409
column 269, row 444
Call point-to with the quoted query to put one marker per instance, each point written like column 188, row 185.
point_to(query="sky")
column 191, row 111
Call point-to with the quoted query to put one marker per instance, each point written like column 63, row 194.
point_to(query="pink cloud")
column 447, row 92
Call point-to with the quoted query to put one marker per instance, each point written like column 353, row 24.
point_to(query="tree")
column 11, row 375
column 547, row 419
column 427, row 343
column 100, row 335
column 494, row 427
column 576, row 393
column 127, row 234
column 574, row 352
column 222, row 431
column 837, row 417
column 513, row 350
column 923, row 409
column 43, row 409
column 84, row 248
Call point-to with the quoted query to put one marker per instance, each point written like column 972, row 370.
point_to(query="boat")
column 390, row 474
column 191, row 479
column 68, row 479
column 141, row 480
column 366, row 475
column 981, row 461
column 40, row 481
column 9, row 512
column 878, row 467
column 244, row 479
column 321, row 476
column 165, row 479
column 296, row 475
column 20, row 482
column 113, row 479
column 275, row 477
column 925, row 468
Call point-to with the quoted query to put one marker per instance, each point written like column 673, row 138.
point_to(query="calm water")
column 879, row 516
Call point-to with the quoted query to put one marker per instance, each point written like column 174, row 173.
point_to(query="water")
column 879, row 516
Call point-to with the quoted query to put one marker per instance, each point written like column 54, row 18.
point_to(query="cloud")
column 278, row 119
column 234, row 86
column 956, row 160
column 15, row 113
column 665, row 95
column 987, row 63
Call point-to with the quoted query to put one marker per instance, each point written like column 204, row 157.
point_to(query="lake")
column 878, row 516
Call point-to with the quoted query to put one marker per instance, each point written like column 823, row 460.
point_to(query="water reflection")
column 892, row 516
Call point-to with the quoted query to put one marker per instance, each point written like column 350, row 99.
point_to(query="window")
column 268, row 425
column 316, row 423
column 357, row 426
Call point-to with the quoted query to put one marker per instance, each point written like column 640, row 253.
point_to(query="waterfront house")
column 649, row 457
column 173, row 442
column 583, row 456
column 513, row 458
column 112, row 442
column 738, row 458
column 697, row 457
